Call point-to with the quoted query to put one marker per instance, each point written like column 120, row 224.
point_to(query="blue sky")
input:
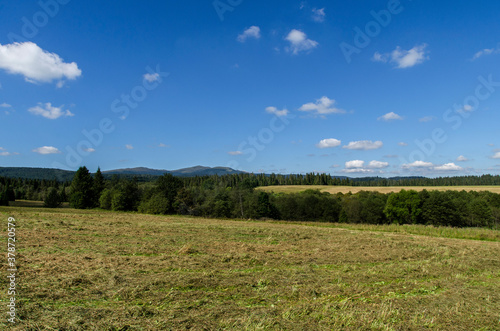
column 356, row 88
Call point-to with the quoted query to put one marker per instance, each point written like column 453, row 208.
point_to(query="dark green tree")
column 169, row 186
column 403, row 207
column 11, row 195
column 4, row 200
column 98, row 186
column 82, row 193
column 52, row 199
column 439, row 209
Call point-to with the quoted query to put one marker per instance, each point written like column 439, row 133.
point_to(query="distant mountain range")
column 185, row 172
column 65, row 175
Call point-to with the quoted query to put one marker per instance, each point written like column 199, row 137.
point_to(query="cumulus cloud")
column 378, row 164
column 234, row 153
column 276, row 111
column 318, row 15
column 299, row 42
column 448, row 167
column 4, row 152
column 322, row 106
column 401, row 58
column 251, row 32
column 418, row 164
column 496, row 155
column 129, row 147
column 5, row 105
column 364, row 145
column 354, row 164
column 45, row 150
column 402, row 144
column 392, row 116
column 462, row 158
column 162, row 145
column 50, row 112
column 358, row 166
column 36, row 64
column 329, row 143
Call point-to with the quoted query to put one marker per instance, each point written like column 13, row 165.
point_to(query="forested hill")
column 37, row 173
column 185, row 172
column 145, row 174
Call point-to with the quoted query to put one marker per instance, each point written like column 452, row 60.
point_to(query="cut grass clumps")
column 95, row 270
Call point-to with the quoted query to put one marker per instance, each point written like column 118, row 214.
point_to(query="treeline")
column 226, row 197
column 324, row 179
column 12, row 189
column 234, row 196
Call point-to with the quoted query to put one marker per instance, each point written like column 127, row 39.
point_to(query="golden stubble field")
column 97, row 270
column 380, row 189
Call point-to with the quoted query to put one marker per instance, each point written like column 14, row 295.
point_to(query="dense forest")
column 234, row 196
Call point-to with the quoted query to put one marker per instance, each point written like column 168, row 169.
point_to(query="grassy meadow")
column 99, row 270
column 380, row 189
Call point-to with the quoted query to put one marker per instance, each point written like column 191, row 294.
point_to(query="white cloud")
column 152, row 77
column 275, row 111
column 35, row 64
column 403, row 58
column 322, row 106
column 402, row 144
column 5, row 105
column 358, row 166
column 299, row 42
column 46, row 150
column 89, row 150
column 329, row 143
column 448, row 167
column 234, row 153
column 129, row 147
column 318, row 15
column 50, row 112
column 392, row 116
column 251, row 32
column 426, row 119
column 4, row 152
column 418, row 164
column 462, row 158
column 496, row 155
column 162, row 145
column 358, row 171
column 486, row 51
column 378, row 164
column 354, row 164
column 364, row 145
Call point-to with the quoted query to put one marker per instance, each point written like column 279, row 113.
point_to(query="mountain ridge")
column 67, row 175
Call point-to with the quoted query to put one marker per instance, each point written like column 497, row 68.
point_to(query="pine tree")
column 53, row 199
column 82, row 194
column 98, row 186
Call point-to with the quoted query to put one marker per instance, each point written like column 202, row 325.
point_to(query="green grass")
column 99, row 270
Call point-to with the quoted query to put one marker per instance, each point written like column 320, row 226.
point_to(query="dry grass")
column 96, row 270
column 381, row 189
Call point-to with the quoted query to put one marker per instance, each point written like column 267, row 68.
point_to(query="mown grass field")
column 381, row 189
column 97, row 270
